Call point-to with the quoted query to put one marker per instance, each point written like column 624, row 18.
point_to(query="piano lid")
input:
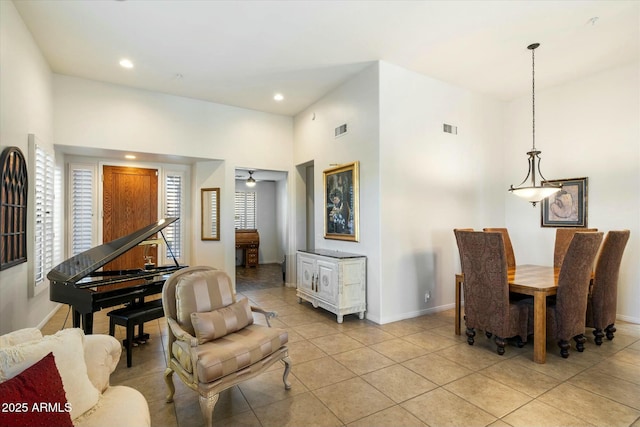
column 78, row 267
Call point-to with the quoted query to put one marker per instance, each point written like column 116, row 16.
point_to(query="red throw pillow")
column 35, row 397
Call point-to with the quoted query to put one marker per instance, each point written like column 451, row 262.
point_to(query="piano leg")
column 87, row 323
column 76, row 318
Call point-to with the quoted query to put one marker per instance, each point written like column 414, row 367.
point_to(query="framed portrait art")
column 341, row 218
column 567, row 207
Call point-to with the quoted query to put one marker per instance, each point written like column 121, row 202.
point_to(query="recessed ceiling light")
column 278, row 97
column 130, row 157
column 126, row 63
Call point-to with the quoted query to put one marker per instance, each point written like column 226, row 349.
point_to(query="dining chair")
column 486, row 288
column 566, row 314
column 511, row 257
column 563, row 238
column 456, row 232
column 603, row 295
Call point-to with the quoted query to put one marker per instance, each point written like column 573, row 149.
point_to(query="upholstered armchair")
column 486, row 290
column 213, row 343
column 511, row 257
column 566, row 316
column 603, row 295
column 563, row 239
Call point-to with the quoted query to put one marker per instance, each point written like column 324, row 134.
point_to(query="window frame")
column 42, row 194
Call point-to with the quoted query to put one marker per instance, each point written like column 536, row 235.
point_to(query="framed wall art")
column 567, row 207
column 13, row 208
column 341, row 218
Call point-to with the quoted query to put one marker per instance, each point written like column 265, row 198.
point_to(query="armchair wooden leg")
column 610, row 330
column 598, row 334
column 168, row 379
column 287, row 369
column 580, row 340
column 207, row 403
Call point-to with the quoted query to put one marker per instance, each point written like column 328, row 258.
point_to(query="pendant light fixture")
column 534, row 193
column 250, row 181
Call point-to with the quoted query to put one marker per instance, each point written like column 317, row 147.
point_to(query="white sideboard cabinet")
column 335, row 281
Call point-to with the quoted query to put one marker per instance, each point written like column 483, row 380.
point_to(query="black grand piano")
column 78, row 283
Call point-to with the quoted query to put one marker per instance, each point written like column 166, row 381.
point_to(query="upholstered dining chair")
column 603, row 295
column 486, row 288
column 213, row 343
column 456, row 232
column 511, row 257
column 566, row 315
column 563, row 239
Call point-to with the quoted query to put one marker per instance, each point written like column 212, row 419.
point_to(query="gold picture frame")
column 341, row 202
column 210, row 215
column 568, row 207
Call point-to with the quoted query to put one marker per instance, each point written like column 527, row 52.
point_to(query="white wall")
column 431, row 183
column 208, row 252
column 25, row 107
column 355, row 103
column 99, row 115
column 587, row 128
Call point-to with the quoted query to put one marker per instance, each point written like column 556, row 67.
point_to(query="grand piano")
column 78, row 283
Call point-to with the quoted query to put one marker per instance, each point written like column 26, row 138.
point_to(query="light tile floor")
column 415, row 372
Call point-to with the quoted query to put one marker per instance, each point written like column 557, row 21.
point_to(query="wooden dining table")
column 535, row 280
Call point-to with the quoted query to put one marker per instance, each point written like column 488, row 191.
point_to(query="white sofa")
column 84, row 364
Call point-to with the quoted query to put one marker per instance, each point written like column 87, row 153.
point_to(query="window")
column 43, row 234
column 82, row 227
column 245, row 210
column 173, row 190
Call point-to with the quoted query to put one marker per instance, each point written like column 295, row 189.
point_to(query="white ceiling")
column 242, row 52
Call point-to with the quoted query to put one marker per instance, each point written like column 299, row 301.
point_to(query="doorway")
column 130, row 202
column 261, row 208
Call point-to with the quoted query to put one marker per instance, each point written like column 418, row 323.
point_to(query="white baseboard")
column 48, row 317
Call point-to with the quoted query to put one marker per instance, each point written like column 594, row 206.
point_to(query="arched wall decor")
column 13, row 208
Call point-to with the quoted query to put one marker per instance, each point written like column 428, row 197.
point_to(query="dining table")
column 537, row 281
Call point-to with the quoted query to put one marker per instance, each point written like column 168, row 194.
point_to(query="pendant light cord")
column 533, row 94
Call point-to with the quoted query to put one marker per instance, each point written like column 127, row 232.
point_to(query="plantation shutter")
column 173, row 202
column 245, row 210
column 82, row 207
column 43, row 207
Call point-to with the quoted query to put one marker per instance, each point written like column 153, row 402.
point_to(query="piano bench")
column 131, row 316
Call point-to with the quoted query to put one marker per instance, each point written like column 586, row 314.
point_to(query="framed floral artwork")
column 567, row 207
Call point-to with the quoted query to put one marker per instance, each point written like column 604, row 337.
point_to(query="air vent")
column 341, row 130
column 450, row 129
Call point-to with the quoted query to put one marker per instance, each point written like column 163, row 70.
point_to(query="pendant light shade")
column 250, row 181
column 528, row 189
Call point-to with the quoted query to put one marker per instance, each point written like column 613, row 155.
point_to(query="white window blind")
column 44, row 174
column 173, row 202
column 82, row 207
column 245, row 210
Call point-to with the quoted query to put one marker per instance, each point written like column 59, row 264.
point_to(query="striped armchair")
column 213, row 342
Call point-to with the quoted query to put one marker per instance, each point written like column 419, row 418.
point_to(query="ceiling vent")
column 340, row 130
